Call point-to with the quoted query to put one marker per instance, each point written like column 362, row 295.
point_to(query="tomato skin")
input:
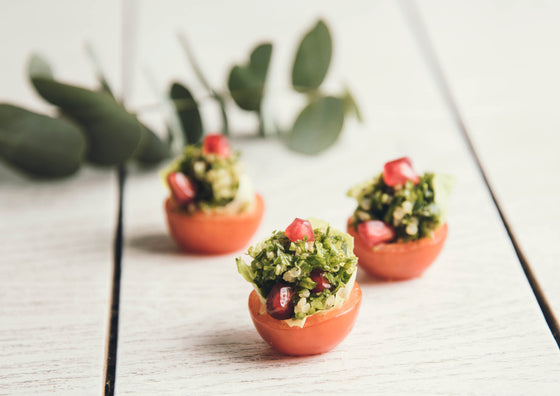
column 321, row 332
column 399, row 260
column 216, row 143
column 213, row 233
column 398, row 171
column 298, row 229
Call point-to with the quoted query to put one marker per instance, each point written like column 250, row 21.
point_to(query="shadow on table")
column 241, row 345
column 157, row 243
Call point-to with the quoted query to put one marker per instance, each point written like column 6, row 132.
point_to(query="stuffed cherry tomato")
column 399, row 225
column 306, row 299
column 212, row 208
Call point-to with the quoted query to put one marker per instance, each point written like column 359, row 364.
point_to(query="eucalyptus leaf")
column 39, row 67
column 187, row 110
column 246, row 82
column 312, row 59
column 114, row 135
column 318, row 126
column 40, row 145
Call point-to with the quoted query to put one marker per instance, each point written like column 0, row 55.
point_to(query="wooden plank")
column 469, row 324
column 55, row 277
column 56, row 236
column 504, row 76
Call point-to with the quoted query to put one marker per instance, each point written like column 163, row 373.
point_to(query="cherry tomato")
column 216, row 144
column 182, row 189
column 399, row 260
column 279, row 302
column 398, row 171
column 298, row 229
column 374, row 232
column 319, row 278
column 321, row 332
column 213, row 233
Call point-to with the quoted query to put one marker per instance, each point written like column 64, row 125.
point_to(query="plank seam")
column 111, row 359
column 419, row 31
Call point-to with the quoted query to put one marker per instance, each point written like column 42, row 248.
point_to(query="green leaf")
column 246, row 82
column 187, row 110
column 151, row 149
column 40, row 145
column 318, row 126
column 312, row 59
column 114, row 135
column 39, row 67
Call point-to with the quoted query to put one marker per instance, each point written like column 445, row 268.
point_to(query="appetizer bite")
column 212, row 207
column 399, row 225
column 306, row 299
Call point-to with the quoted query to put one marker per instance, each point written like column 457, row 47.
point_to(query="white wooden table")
column 426, row 75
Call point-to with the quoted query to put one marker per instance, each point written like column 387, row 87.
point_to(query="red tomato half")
column 212, row 233
column 399, row 260
column 321, row 332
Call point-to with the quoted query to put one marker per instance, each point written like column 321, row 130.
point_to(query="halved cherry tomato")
column 213, row 233
column 399, row 260
column 374, row 232
column 182, row 189
column 321, row 332
column 298, row 229
column 398, row 171
column 216, row 144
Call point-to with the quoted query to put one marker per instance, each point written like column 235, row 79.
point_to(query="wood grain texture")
column 55, row 275
column 470, row 325
column 505, row 78
column 56, row 238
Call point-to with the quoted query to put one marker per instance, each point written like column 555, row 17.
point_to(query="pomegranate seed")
column 216, row 144
column 318, row 276
column 398, row 171
column 374, row 232
column 279, row 302
column 182, row 189
column 299, row 229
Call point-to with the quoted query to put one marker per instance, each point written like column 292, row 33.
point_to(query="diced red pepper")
column 182, row 189
column 216, row 144
column 374, row 232
column 398, row 171
column 299, row 229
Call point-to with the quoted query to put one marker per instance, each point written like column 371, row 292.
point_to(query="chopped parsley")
column 413, row 211
column 277, row 260
column 216, row 178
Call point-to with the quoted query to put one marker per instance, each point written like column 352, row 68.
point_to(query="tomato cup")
column 213, row 233
column 399, row 260
column 320, row 333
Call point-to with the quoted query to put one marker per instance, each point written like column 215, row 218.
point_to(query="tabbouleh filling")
column 219, row 180
column 413, row 211
column 277, row 260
